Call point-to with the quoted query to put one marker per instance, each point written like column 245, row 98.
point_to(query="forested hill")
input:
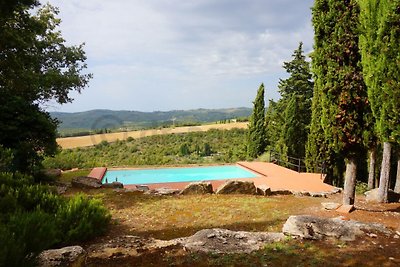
column 100, row 118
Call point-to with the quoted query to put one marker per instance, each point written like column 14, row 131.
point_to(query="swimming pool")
column 171, row 175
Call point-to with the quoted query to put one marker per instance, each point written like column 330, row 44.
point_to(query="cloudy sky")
column 151, row 55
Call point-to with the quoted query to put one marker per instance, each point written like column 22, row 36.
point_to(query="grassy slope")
column 226, row 146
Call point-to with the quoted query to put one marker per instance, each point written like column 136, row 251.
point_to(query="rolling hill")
column 110, row 119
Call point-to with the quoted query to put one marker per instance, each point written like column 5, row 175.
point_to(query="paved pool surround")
column 272, row 175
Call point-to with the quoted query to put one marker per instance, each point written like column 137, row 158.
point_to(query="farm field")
column 91, row 140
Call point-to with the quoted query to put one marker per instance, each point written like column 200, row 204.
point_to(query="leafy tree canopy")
column 36, row 66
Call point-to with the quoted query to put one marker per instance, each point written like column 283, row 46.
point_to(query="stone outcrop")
column 85, row 182
column 197, row 189
column 237, row 187
column 301, row 193
column 311, row 227
column 113, row 185
column 263, row 190
column 226, row 241
column 163, row 191
column 281, row 192
column 372, row 196
column 125, row 247
column 74, row 256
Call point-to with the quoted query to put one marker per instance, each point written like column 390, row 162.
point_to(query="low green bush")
column 33, row 218
column 81, row 218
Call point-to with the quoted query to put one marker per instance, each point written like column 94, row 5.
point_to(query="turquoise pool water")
column 170, row 175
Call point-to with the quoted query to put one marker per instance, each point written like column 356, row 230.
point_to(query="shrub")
column 35, row 230
column 10, row 252
column 361, row 187
column 81, row 218
column 32, row 218
column 24, row 236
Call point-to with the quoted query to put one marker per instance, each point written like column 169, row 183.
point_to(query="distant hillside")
column 100, row 119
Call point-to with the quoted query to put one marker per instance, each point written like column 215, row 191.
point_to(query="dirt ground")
column 91, row 140
column 149, row 217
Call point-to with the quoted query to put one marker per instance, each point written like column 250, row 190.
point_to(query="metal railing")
column 296, row 164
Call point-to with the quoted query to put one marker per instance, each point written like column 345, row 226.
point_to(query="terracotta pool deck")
column 269, row 174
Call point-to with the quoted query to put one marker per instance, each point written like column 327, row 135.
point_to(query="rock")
column 127, row 190
column 372, row 196
column 237, row 187
column 345, row 208
column 281, row 192
column 263, row 190
column 163, row 191
column 319, row 194
column 311, row 227
column 123, row 247
column 336, row 190
column 113, row 185
column 330, row 205
column 301, row 193
column 85, row 182
column 226, row 241
column 68, row 256
column 142, row 187
column 61, row 189
column 197, row 189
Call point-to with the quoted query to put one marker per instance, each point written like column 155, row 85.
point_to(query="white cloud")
column 182, row 49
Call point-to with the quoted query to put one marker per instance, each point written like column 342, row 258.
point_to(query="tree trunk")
column 397, row 186
column 371, row 174
column 350, row 182
column 385, row 171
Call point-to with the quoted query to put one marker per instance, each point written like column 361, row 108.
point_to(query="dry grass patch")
column 178, row 216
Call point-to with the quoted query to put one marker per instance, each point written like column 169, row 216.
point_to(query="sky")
column 159, row 55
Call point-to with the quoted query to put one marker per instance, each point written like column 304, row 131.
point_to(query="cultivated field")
column 90, row 140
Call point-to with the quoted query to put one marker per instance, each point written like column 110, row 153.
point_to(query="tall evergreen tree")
column 296, row 92
column 295, row 128
column 257, row 132
column 336, row 61
column 381, row 65
column 315, row 146
column 300, row 79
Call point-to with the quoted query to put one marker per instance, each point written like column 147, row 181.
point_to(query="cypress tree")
column 295, row 128
column 257, row 132
column 381, row 65
column 336, row 61
column 315, row 146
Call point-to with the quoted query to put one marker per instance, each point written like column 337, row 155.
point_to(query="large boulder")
column 372, row 195
column 113, row 185
column 85, row 182
column 199, row 188
column 237, row 187
column 74, row 256
column 226, row 241
column 311, row 227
